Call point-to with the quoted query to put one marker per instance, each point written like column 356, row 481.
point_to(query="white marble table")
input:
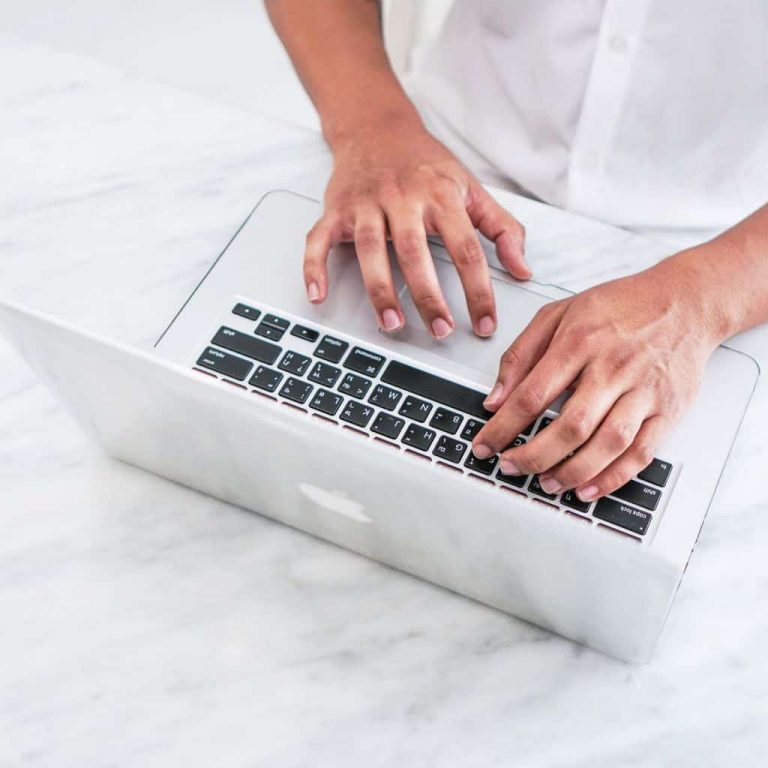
column 143, row 624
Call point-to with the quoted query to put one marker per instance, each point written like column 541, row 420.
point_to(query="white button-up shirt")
column 649, row 114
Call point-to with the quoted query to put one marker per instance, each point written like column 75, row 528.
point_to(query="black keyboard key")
column 355, row 386
column 246, row 345
column 269, row 331
column 535, row 487
column 483, row 466
column 446, row 421
column 419, row 437
column 518, row 441
column 331, row 349
column 385, row 397
column 657, row 472
column 544, row 423
column 570, row 499
column 449, row 449
column 356, row 413
column 518, row 481
column 471, row 428
column 363, row 361
column 276, row 322
column 295, row 363
column 527, row 431
column 266, row 379
column 302, row 332
column 226, row 365
column 326, row 401
column 388, row 425
column 623, row 515
column 434, row 388
column 416, row 409
column 296, row 390
column 245, row 311
column 638, row 494
column 325, row 374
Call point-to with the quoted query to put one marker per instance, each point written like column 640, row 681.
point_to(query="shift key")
column 639, row 494
column 248, row 346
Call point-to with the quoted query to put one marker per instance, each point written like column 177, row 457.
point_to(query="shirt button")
column 617, row 43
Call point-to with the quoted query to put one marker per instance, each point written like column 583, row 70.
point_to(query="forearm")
column 727, row 276
column 338, row 51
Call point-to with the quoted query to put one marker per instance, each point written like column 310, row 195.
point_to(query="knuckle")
column 368, row 237
column 445, row 193
column 408, row 245
column 469, row 253
column 427, row 300
column 642, row 453
column 313, row 234
column 379, row 291
column 576, row 425
column 531, row 400
column 618, row 435
column 481, row 298
column 619, row 360
column 511, row 356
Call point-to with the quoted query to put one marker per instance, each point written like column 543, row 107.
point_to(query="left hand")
column 633, row 351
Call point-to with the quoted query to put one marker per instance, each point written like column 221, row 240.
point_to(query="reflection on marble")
column 145, row 624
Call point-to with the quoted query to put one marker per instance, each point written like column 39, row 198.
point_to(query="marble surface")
column 145, row 624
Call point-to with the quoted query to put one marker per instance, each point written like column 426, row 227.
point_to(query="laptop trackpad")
column 462, row 352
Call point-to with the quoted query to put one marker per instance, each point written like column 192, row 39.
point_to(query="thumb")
column 499, row 225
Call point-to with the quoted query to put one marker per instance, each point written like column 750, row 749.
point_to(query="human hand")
column 632, row 350
column 400, row 181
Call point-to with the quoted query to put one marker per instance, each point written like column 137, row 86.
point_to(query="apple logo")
column 335, row 501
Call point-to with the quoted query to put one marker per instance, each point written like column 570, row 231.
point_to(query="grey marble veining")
column 145, row 624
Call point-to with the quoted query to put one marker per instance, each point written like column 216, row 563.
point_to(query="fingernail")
column 482, row 451
column 509, row 467
column 587, row 493
column 550, row 485
column 494, row 394
column 486, row 326
column 313, row 292
column 390, row 320
column 441, row 328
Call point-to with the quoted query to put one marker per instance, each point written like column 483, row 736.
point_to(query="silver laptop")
column 310, row 415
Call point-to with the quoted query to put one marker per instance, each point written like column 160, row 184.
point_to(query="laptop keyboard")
column 423, row 414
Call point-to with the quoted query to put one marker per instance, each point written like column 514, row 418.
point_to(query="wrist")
column 341, row 131
column 695, row 276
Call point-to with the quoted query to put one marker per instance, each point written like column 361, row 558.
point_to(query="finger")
column 581, row 417
column 499, row 225
column 612, row 438
column 409, row 238
column 371, row 247
column 638, row 456
column 460, row 238
column 319, row 241
column 550, row 377
column 524, row 352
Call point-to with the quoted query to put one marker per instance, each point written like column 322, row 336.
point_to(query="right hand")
column 403, row 183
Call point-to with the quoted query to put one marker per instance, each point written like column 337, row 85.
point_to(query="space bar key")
column 435, row 388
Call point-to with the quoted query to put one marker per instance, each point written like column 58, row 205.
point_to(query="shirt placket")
column 607, row 87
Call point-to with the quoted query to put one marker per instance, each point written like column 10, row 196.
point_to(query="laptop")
column 311, row 416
